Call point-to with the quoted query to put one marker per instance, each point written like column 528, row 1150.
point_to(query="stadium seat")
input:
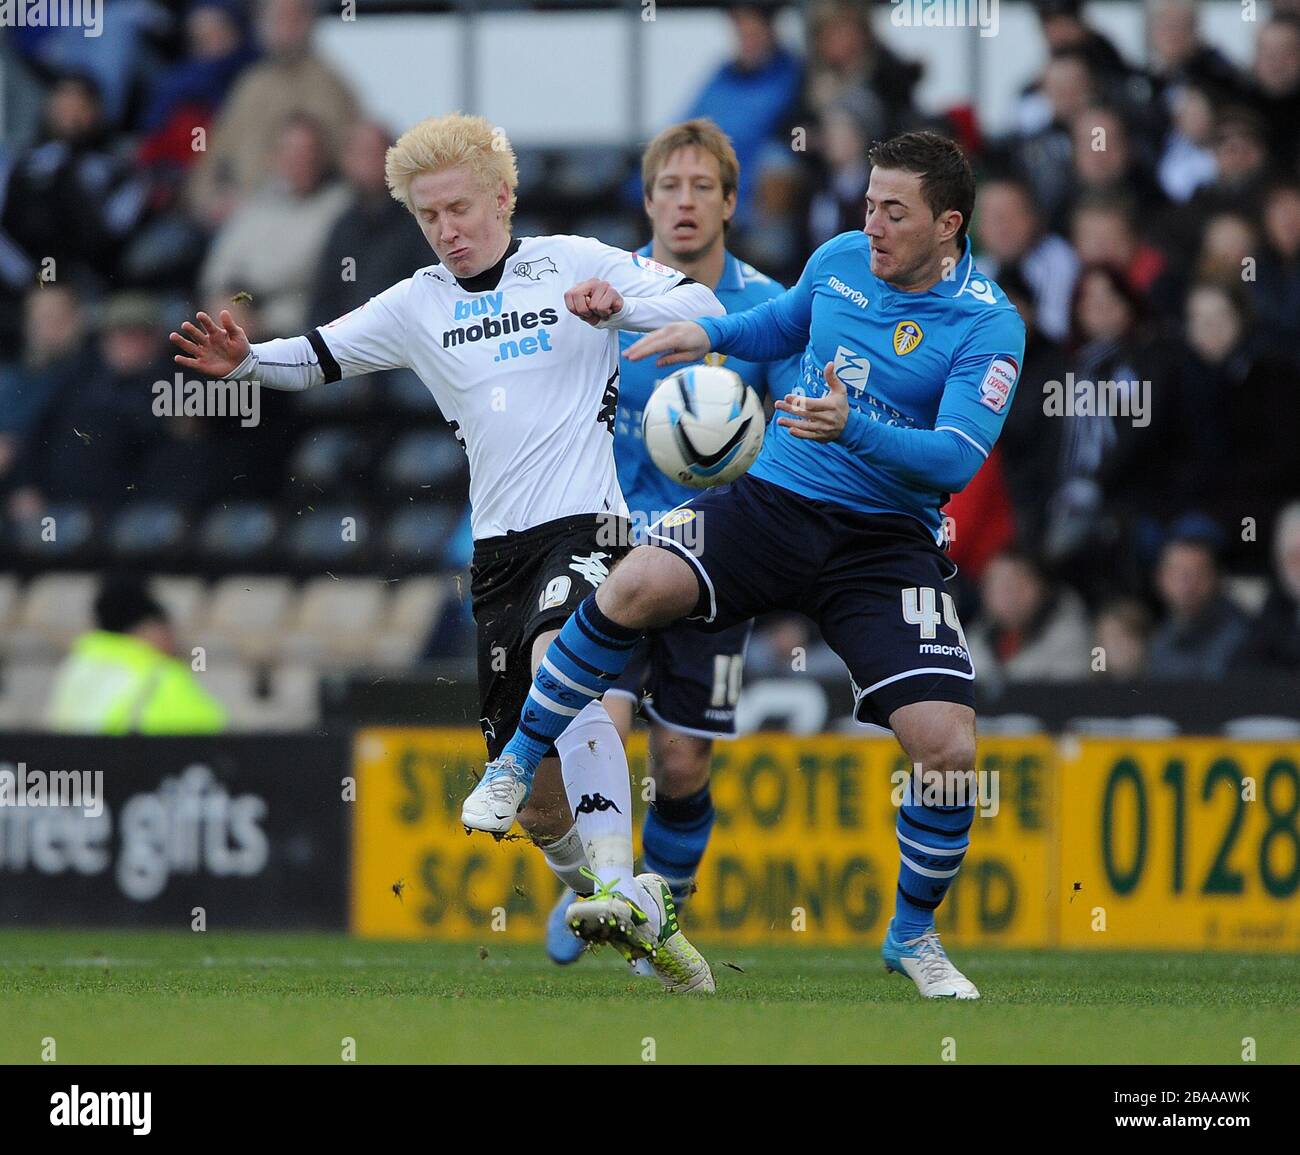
column 329, row 537
column 10, row 601
column 281, row 698
column 62, row 533
column 344, row 399
column 425, row 459
column 25, row 693
column 182, row 598
column 245, row 616
column 406, row 393
column 56, row 608
column 1263, row 728
column 152, row 530
column 238, row 533
column 417, row 536
column 337, row 621
column 327, row 458
column 413, row 607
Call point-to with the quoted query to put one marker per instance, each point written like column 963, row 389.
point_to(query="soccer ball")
column 703, row 426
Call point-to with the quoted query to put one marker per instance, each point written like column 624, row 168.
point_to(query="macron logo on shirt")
column 848, row 292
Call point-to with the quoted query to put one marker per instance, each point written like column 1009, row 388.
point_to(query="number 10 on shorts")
column 919, row 609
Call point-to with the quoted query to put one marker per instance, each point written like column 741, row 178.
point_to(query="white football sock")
column 566, row 858
column 599, row 786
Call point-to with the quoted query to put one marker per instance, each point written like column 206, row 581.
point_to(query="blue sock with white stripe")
column 674, row 838
column 584, row 661
column 932, row 841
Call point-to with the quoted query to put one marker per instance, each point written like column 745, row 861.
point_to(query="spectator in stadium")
column 1103, row 467
column 54, row 359
column 1275, row 73
column 290, row 80
column 1122, row 634
column 1203, row 629
column 752, row 97
column 1042, row 151
column 1030, row 444
column 1277, row 282
column 847, row 129
column 1274, row 642
column 1103, row 230
column 1180, row 58
column 271, row 246
column 1229, row 248
column 1065, row 29
column 847, row 57
column 375, row 242
column 124, row 677
column 117, row 58
column 1187, row 153
column 94, row 432
column 188, row 94
column 1243, row 461
column 1104, row 162
column 1241, row 167
column 70, row 198
column 1009, row 234
column 1029, row 628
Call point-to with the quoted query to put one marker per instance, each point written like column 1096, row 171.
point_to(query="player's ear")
column 949, row 223
column 729, row 205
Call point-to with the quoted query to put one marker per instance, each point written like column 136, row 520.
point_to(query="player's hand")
column 678, row 343
column 817, row 418
column 593, row 301
column 212, row 348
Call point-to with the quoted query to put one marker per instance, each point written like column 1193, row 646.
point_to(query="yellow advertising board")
column 1188, row 843
column 803, row 850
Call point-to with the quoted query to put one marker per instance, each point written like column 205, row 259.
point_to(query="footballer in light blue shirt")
column 910, row 358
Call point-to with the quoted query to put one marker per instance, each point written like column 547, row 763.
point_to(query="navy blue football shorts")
column 688, row 678
column 873, row 583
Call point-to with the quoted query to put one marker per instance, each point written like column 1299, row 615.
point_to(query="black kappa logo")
column 594, row 802
column 533, row 270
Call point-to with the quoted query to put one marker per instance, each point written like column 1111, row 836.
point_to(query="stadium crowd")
column 1145, row 219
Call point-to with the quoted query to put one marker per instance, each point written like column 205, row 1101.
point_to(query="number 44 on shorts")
column 919, row 609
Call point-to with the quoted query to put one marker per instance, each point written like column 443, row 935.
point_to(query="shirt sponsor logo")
column 849, row 293
column 995, row 389
column 492, row 327
column 907, row 336
column 852, row 368
column 652, row 266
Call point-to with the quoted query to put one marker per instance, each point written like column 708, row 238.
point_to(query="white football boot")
column 678, row 965
column 500, row 794
column 926, row 963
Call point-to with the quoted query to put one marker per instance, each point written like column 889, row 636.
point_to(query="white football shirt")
column 530, row 389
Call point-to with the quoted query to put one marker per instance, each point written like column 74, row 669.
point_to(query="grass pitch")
column 163, row 997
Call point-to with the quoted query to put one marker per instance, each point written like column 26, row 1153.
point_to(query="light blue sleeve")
column 767, row 332
column 976, row 398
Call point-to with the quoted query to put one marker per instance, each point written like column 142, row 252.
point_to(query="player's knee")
column 648, row 588
column 950, row 754
column 680, row 763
